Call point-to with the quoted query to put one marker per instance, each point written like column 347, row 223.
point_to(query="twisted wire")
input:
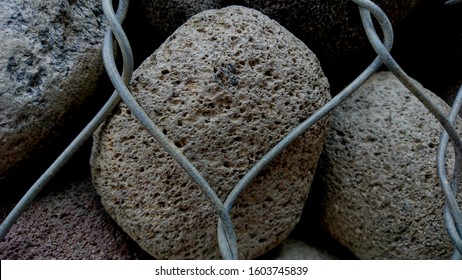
column 225, row 230
column 454, row 221
column 310, row 121
column 227, row 242
column 456, row 179
column 75, row 145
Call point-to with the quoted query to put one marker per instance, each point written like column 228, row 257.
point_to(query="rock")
column 67, row 222
column 225, row 88
column 50, row 64
column 332, row 28
column 165, row 16
column 380, row 195
column 293, row 249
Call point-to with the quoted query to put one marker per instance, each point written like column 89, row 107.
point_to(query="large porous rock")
column 225, row 88
column 380, row 196
column 332, row 28
column 50, row 63
column 67, row 222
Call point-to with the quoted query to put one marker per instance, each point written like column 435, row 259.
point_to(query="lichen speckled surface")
column 50, row 66
column 380, row 195
column 225, row 88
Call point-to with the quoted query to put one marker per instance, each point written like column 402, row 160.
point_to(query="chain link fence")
column 225, row 230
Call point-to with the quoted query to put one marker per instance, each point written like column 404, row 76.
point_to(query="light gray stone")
column 294, row 249
column 381, row 197
column 50, row 63
column 225, row 88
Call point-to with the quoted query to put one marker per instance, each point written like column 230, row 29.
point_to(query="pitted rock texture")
column 380, row 195
column 332, row 28
column 67, row 222
column 50, row 62
column 225, row 88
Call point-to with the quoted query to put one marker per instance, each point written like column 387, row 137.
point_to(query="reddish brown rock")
column 68, row 223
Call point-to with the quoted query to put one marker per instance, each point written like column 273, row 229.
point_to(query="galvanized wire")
column 448, row 218
column 227, row 242
column 456, row 178
column 226, row 235
column 75, row 145
column 310, row 121
column 225, row 230
column 417, row 90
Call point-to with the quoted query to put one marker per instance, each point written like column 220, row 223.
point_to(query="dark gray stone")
column 332, row 28
column 166, row 16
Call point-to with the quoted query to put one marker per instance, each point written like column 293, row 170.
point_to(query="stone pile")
column 227, row 83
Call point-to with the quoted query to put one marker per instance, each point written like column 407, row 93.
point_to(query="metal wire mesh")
column 225, row 230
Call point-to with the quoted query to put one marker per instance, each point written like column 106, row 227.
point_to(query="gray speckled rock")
column 332, row 28
column 381, row 197
column 225, row 88
column 50, row 62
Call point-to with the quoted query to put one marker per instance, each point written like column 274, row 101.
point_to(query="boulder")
column 380, row 194
column 51, row 63
column 67, row 222
column 225, row 88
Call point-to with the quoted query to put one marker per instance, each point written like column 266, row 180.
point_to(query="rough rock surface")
column 332, row 28
column 68, row 222
column 225, row 87
column 380, row 195
column 50, row 62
